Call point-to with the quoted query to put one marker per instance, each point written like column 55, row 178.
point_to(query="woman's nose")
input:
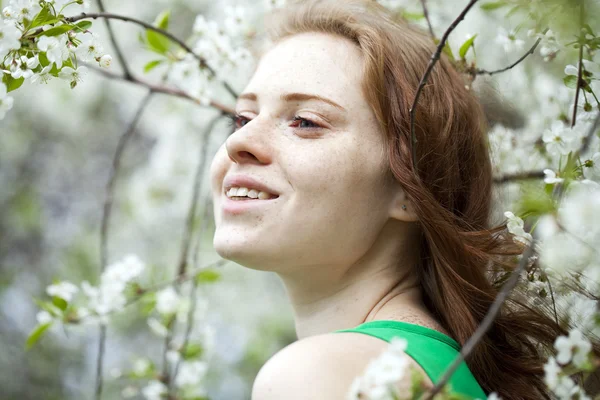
column 248, row 145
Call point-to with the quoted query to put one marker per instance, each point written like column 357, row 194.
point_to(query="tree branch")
column 181, row 43
column 162, row 89
column 530, row 51
column 588, row 138
column 519, row 176
column 434, row 58
column 426, row 14
column 113, row 40
column 580, row 69
column 486, row 323
column 106, row 212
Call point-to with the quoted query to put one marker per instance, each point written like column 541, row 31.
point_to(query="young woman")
column 317, row 184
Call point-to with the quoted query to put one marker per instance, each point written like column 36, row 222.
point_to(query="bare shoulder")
column 320, row 367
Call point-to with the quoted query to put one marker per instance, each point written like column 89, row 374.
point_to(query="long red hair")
column 451, row 190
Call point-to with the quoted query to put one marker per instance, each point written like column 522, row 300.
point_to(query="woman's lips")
column 236, row 207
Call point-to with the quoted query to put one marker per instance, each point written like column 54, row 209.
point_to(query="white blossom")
column 236, row 21
column 191, row 373
column 90, row 48
column 167, row 301
column 23, row 67
column 43, row 76
column 105, row 61
column 382, row 374
column 551, row 373
column 6, row 102
column 72, row 75
column 64, row 290
column 21, row 9
column 509, row 41
column 157, row 327
column 515, row 226
column 43, row 317
column 273, row 4
column 549, row 45
column 141, row 366
column 494, row 396
column 575, row 347
column 155, row 390
column 591, row 169
column 10, row 37
column 551, row 177
column 55, row 48
column 558, row 139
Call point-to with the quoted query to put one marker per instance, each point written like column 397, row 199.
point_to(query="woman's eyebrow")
column 295, row 97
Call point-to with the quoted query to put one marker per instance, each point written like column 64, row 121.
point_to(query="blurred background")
column 56, row 149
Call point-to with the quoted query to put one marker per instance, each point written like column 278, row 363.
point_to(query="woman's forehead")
column 322, row 64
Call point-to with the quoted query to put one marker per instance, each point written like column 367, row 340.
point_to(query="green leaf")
column 570, row 81
column 162, row 20
column 466, row 46
column 60, row 303
column 83, row 25
column 157, row 42
column 207, row 276
column 192, row 350
column 12, row 83
column 448, row 51
column 36, row 334
column 493, row 5
column 412, row 16
column 57, row 30
column 151, row 65
column 44, row 17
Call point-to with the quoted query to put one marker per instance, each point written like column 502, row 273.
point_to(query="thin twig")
column 486, row 323
column 580, row 69
column 434, row 58
column 519, row 176
column 523, row 57
column 585, row 144
column 113, row 40
column 162, row 89
column 185, row 248
column 426, row 14
column 151, row 27
column 106, row 212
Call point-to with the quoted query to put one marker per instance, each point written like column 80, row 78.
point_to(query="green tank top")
column 431, row 349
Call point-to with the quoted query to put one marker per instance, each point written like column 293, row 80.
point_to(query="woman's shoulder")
column 321, row 367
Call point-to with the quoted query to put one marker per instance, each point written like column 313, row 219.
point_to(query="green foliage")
column 36, row 334
column 469, row 43
column 157, row 42
column 12, row 83
column 192, row 350
column 493, row 5
column 536, row 202
column 151, row 65
column 570, row 81
column 208, row 276
column 44, row 17
column 57, row 30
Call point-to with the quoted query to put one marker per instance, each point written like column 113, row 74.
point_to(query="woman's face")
column 307, row 134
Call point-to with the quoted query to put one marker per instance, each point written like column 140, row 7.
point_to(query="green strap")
column 431, row 349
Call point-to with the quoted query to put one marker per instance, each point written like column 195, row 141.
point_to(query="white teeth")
column 251, row 193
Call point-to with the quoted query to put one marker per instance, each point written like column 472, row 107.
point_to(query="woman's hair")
column 451, row 189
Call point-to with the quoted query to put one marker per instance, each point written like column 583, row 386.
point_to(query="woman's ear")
column 401, row 208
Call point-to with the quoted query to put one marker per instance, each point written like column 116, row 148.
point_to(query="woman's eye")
column 300, row 122
column 238, row 121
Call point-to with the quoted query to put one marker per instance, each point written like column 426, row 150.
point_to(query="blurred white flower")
column 55, row 48
column 191, row 373
column 64, row 290
column 158, row 328
column 21, row 9
column 10, row 37
column 141, row 366
column 236, row 21
column 575, row 346
column 551, row 177
column 381, row 374
column 155, row 390
column 6, row 102
column 129, row 392
column 273, row 4
column 551, row 373
column 509, row 40
column 549, row 45
column 494, row 396
column 43, row 317
column 515, row 226
column 591, row 167
column 167, row 301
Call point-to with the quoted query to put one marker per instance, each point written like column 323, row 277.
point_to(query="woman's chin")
column 243, row 253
